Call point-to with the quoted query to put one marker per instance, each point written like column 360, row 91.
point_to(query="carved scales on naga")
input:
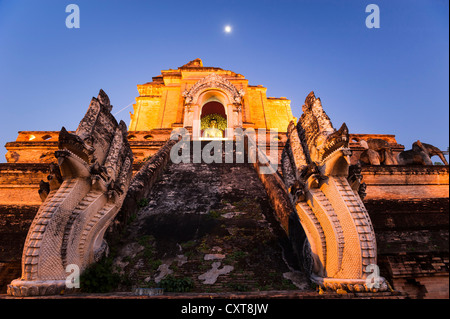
column 96, row 169
column 340, row 243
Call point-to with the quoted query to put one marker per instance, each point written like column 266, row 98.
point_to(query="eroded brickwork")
column 413, row 249
column 14, row 224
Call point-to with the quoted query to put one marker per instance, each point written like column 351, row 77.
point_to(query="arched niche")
column 212, row 88
column 213, row 111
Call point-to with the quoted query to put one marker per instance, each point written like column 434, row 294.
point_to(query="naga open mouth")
column 74, row 144
column 65, row 153
column 336, row 141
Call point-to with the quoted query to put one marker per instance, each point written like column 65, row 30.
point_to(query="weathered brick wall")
column 437, row 287
column 19, row 183
column 413, row 244
column 406, row 182
column 14, row 224
column 409, row 208
column 38, row 147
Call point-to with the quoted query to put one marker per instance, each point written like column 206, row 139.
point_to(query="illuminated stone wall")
column 161, row 103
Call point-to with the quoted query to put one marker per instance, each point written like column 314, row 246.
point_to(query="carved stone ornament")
column 79, row 202
column 213, row 80
column 188, row 108
column 340, row 243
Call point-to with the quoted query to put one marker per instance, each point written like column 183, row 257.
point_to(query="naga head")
column 73, row 155
column 95, row 144
column 320, row 136
column 74, row 144
column 334, row 153
column 325, row 145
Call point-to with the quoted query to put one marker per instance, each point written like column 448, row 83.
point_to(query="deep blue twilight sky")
column 391, row 80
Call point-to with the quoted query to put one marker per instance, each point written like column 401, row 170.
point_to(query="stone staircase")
column 209, row 231
column 211, row 225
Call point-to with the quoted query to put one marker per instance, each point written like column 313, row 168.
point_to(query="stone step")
column 185, row 216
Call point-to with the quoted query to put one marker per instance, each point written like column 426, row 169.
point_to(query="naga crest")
column 319, row 138
column 80, row 201
column 340, row 250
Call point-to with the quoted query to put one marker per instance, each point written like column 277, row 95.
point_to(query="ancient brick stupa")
column 361, row 215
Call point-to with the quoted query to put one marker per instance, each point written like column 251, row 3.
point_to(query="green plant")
column 204, row 247
column 100, row 277
column 154, row 264
column 215, row 213
column 174, row 284
column 148, row 253
column 143, row 202
column 188, row 244
column 236, row 255
column 132, row 218
column 287, row 285
column 146, row 240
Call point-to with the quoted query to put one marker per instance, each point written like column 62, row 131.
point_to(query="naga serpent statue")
column 340, row 251
column 79, row 204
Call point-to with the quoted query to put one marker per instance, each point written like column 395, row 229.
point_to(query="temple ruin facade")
column 353, row 205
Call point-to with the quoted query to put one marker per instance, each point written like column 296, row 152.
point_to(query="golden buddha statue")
column 212, row 131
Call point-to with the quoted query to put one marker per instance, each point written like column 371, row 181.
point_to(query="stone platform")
column 259, row 295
